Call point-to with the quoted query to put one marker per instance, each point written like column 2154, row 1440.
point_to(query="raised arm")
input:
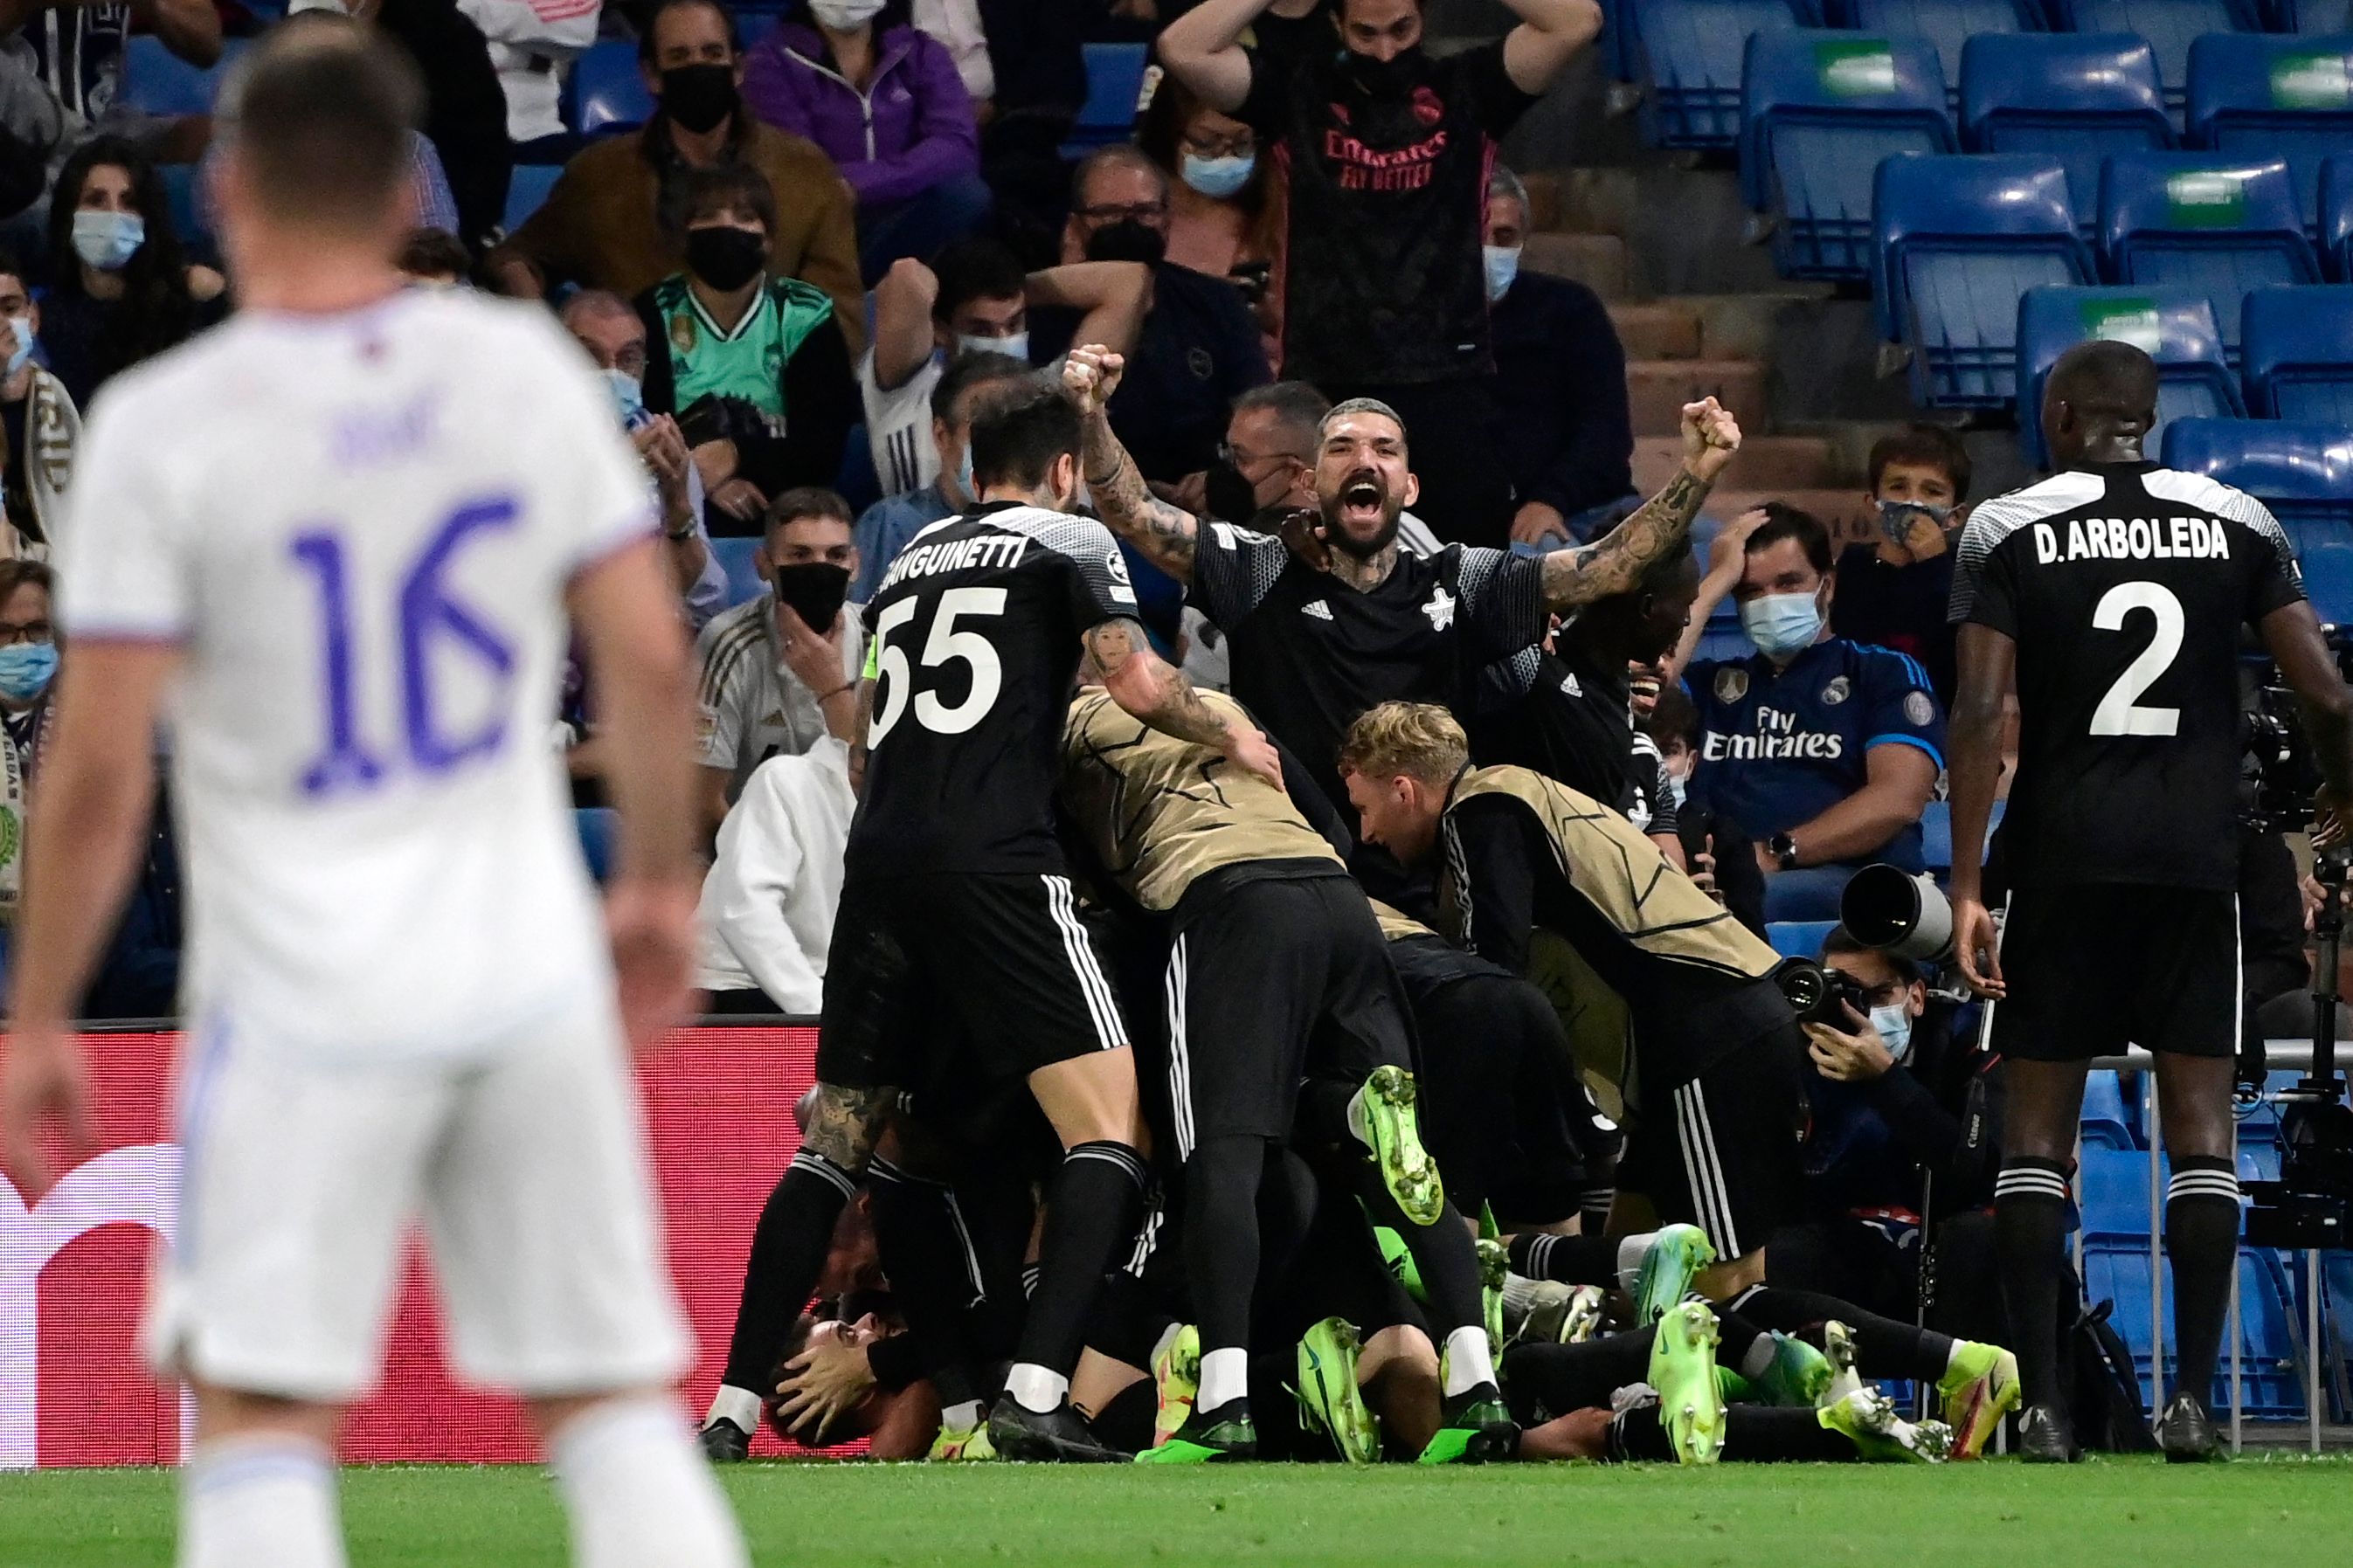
column 1114, row 296
column 1989, row 662
column 902, row 321
column 1152, row 690
column 1167, row 535
column 1203, row 49
column 1727, row 557
column 1615, row 563
column 1549, row 36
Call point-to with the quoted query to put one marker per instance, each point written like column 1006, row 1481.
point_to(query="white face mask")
column 842, row 15
column 1893, row 1023
column 1017, row 345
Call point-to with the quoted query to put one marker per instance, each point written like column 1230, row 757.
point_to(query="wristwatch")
column 1784, row 850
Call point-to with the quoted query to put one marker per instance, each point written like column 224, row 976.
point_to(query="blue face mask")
column 26, row 669
column 1893, row 1023
column 23, row 327
column 1896, row 517
column 1503, row 265
column 1216, row 178
column 1017, row 345
column 108, row 240
column 1781, row 623
column 628, row 397
column 963, row 473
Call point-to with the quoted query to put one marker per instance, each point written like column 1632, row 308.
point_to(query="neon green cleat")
column 1675, row 1255
column 1562, row 1314
column 1203, row 1440
column 963, row 1444
column 1400, row 1262
column 1978, row 1389
column 1382, row 1115
column 1476, row 1426
column 1328, row 1393
column 1682, row 1368
column 1799, row 1374
column 1495, row 1264
column 1871, row 1424
column 1837, row 1349
column 1176, row 1377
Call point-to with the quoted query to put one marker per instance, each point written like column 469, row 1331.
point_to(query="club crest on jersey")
column 1837, row 691
column 1117, row 564
column 682, row 334
column 1440, row 609
column 1569, row 686
column 1731, row 685
column 1918, row 709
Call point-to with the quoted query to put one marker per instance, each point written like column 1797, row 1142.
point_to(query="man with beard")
column 1313, row 649
column 1388, row 147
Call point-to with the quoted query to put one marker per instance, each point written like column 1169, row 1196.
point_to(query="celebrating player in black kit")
column 954, row 908
column 2113, row 592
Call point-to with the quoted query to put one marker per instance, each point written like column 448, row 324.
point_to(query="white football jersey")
column 360, row 529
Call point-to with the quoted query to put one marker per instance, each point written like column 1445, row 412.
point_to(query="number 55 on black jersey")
column 2125, row 587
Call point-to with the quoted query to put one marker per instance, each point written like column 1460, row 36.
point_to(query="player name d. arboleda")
column 2133, row 539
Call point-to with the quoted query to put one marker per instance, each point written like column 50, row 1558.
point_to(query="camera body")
column 1819, row 995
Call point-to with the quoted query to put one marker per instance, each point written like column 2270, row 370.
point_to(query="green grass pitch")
column 2275, row 1513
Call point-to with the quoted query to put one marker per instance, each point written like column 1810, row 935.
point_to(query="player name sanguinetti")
column 2135, row 539
column 958, row 555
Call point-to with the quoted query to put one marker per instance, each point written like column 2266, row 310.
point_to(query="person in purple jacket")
column 886, row 104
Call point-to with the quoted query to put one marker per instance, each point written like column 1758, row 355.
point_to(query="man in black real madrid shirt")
column 955, row 904
column 2113, row 592
column 1313, row 649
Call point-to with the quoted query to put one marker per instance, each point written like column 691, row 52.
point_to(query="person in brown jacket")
column 608, row 225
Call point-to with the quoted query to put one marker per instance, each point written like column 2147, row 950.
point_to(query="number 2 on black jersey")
column 2118, row 713
column 945, row 645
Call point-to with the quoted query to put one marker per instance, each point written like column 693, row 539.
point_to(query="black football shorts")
column 1725, row 1152
column 2093, row 967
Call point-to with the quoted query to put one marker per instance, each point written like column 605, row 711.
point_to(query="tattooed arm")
column 844, row 1123
column 1615, row 563
column 1155, row 691
column 1165, row 534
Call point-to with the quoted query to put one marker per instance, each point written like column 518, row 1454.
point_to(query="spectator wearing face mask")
column 612, row 220
column 121, row 288
column 28, row 671
column 1895, row 590
column 886, row 104
column 40, row 422
column 1822, row 749
column 1198, row 348
column 1224, row 211
column 1386, row 148
column 752, row 366
column 1566, row 434
column 884, row 528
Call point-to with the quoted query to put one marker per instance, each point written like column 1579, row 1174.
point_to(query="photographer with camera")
column 2111, row 594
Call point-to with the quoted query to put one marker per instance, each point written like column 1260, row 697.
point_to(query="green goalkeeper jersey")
column 746, row 366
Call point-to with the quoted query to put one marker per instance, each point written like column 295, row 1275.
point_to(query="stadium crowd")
column 1515, row 1147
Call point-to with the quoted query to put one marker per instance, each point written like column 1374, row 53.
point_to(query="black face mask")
column 726, row 258
column 1129, row 240
column 815, row 590
column 1229, row 496
column 1382, row 79
column 698, row 97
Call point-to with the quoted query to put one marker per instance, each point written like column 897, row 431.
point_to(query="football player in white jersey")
column 337, row 541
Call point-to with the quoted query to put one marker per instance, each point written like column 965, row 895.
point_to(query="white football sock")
column 1630, row 1259
column 1036, row 1389
column 263, row 1500
column 1466, row 1362
column 638, row 1493
column 739, row 1406
column 1519, row 1294
column 1225, row 1375
column 1759, row 1359
column 962, row 1417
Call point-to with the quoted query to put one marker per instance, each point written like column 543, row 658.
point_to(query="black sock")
column 1752, row 1434
column 1883, row 1347
column 1091, row 1211
column 1571, row 1260
column 2201, row 1239
column 1125, row 1420
column 1543, row 1381
column 2030, row 1236
column 1442, row 1256
column 1222, row 1247
column 788, row 1248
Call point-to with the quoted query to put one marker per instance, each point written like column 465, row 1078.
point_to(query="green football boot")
column 1562, row 1314
column 1476, row 1426
column 1799, row 1373
column 1207, row 1437
column 1382, row 1116
column 1674, row 1257
column 1978, row 1389
column 1682, row 1368
column 1868, row 1420
column 1177, row 1379
column 962, row 1444
column 1399, row 1260
column 1495, row 1264
column 1328, row 1393
column 1837, row 1349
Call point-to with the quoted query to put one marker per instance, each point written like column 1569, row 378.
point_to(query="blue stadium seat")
column 1114, row 82
column 2115, row 1194
column 2312, row 18
column 1937, row 834
column 1946, row 23
column 527, row 191
column 2327, row 577
column 595, row 825
column 2298, row 349
column 2169, row 26
column 2173, row 326
column 1799, row 939
column 1959, row 240
column 2303, row 472
column 743, row 576
column 1819, row 110
column 2073, row 97
column 608, row 92
column 1690, row 53
column 157, row 81
column 2274, row 98
column 188, row 212
column 2336, row 217
column 2116, row 1269
column 2106, row 1123
column 2206, row 221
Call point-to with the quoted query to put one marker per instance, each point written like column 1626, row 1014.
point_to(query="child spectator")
column 1894, row 590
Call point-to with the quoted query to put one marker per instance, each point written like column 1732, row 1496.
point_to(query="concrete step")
column 1657, row 389
column 1763, row 463
column 1596, row 260
column 1846, row 512
column 1664, row 328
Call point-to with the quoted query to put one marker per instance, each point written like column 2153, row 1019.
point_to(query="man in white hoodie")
column 767, row 904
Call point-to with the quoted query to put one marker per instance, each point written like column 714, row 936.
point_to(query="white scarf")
column 52, row 435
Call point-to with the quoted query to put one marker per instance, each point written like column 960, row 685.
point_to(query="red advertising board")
column 73, row 1268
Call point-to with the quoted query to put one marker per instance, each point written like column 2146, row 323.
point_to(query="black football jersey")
column 2125, row 587
column 973, row 643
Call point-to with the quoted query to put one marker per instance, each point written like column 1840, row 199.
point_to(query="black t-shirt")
column 1290, row 38
column 1902, row 608
column 1310, row 653
column 973, row 642
column 2125, row 587
column 1382, row 277
column 1569, row 718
